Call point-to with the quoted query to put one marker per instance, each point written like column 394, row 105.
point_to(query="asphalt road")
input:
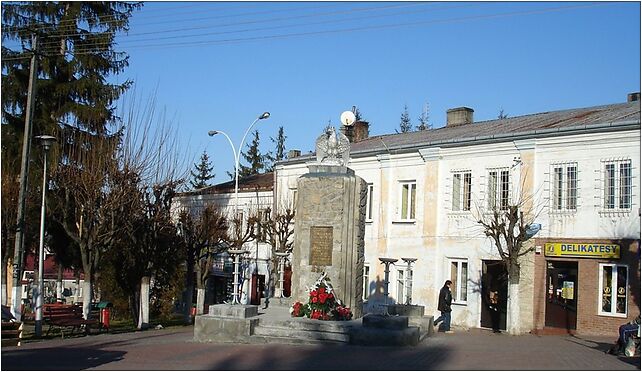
column 173, row 349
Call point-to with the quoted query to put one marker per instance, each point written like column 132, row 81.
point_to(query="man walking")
column 445, row 300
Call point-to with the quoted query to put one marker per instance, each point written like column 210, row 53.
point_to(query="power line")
column 183, row 29
column 73, row 22
column 288, row 26
column 364, row 28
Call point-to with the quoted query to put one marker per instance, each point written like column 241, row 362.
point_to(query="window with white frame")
column 366, row 281
column 459, row 277
column 400, row 287
column 461, row 191
column 617, row 184
column 370, row 191
column 564, row 187
column 614, row 283
column 498, row 189
column 408, row 197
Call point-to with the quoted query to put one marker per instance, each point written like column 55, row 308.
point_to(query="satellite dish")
column 348, row 118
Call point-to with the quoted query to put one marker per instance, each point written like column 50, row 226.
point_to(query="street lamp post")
column 237, row 155
column 46, row 142
column 237, row 160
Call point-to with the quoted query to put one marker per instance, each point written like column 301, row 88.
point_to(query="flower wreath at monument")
column 322, row 303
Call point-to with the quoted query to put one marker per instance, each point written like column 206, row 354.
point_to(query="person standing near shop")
column 445, row 301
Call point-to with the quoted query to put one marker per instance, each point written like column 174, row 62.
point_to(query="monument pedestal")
column 382, row 330
column 226, row 323
column 329, row 231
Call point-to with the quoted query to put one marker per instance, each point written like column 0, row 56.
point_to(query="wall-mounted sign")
column 587, row 250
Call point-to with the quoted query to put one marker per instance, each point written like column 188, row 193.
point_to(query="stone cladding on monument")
column 329, row 234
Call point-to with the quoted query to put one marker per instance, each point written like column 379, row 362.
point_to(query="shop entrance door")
column 494, row 278
column 561, row 295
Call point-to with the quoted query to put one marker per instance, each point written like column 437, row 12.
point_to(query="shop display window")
column 613, row 290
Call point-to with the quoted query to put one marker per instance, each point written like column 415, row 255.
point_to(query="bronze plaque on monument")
column 321, row 245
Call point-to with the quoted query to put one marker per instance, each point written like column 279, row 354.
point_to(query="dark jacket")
column 445, row 300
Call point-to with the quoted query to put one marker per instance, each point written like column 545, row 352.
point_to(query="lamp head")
column 212, row 133
column 46, row 141
column 264, row 115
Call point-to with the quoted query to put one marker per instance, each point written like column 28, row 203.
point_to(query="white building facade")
column 255, row 196
column 577, row 170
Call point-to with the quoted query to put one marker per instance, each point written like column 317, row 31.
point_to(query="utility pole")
column 16, row 291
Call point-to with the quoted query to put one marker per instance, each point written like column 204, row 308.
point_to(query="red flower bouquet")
column 322, row 303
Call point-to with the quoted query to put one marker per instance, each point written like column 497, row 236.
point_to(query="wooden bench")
column 11, row 333
column 66, row 317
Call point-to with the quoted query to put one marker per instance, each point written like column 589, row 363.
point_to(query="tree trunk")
column 200, row 301
column 143, row 319
column 77, row 292
column 189, row 292
column 187, row 311
column 5, row 273
column 59, row 285
column 86, row 296
column 514, row 327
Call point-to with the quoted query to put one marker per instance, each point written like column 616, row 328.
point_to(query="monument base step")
column 304, row 330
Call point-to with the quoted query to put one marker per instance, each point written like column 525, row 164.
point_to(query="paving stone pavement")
column 173, row 349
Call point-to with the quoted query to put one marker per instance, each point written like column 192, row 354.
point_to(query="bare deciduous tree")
column 509, row 225
column 204, row 236
column 278, row 231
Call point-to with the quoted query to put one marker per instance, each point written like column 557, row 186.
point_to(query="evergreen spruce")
column 357, row 114
column 404, row 124
column 279, row 151
column 203, row 172
column 423, row 118
column 76, row 57
column 253, row 157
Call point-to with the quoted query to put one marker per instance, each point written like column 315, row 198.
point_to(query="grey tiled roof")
column 545, row 122
column 597, row 118
column 256, row 182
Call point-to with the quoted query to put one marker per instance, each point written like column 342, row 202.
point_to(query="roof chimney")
column 459, row 116
column 294, row 154
column 359, row 131
column 632, row 97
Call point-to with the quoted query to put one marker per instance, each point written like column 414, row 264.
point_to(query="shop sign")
column 587, row 250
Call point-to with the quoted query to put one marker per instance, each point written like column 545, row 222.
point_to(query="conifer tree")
column 253, row 157
column 357, row 114
column 76, row 56
column 202, row 172
column 423, row 118
column 404, row 124
column 279, row 151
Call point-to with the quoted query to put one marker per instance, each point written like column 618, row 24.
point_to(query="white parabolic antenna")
column 348, row 118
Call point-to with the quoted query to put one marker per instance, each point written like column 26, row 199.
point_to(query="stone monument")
column 330, row 223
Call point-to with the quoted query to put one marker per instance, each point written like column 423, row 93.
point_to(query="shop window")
column 614, row 290
column 408, row 197
column 564, row 187
column 498, row 189
column 366, row 281
column 459, row 277
column 617, row 185
column 461, row 191
column 369, row 197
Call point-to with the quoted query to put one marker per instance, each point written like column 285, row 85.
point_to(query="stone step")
column 256, row 339
column 301, row 334
column 310, row 324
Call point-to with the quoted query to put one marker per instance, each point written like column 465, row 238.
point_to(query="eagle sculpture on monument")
column 333, row 148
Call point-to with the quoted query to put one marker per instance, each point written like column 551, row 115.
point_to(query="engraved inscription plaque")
column 321, row 245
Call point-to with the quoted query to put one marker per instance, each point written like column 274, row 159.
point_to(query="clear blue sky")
column 218, row 65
